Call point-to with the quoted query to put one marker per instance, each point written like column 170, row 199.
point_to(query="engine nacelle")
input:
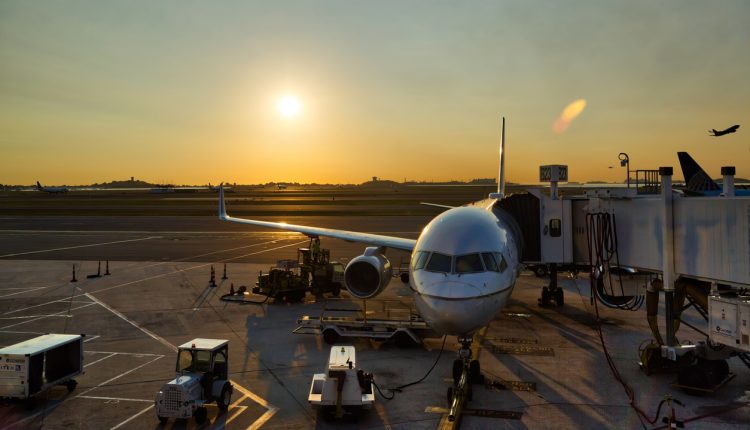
column 366, row 276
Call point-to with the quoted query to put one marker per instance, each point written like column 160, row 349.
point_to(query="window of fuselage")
column 469, row 263
column 439, row 263
column 420, row 259
column 501, row 263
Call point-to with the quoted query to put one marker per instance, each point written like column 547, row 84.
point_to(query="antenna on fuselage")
column 501, row 174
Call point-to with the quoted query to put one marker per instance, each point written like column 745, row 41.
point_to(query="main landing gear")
column 466, row 372
column 552, row 292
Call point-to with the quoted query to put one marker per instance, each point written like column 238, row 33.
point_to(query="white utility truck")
column 343, row 387
column 30, row 367
column 202, row 377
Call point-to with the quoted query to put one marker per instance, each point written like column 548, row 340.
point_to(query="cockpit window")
column 469, row 263
column 489, row 262
column 494, row 261
column 439, row 263
column 420, row 259
column 501, row 263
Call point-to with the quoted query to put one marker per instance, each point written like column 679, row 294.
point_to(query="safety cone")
column 224, row 276
column 212, row 281
column 106, row 272
column 74, row 274
column 231, row 289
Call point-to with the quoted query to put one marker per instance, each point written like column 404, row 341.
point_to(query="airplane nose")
column 454, row 307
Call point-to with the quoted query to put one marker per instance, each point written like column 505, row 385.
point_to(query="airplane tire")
column 163, row 420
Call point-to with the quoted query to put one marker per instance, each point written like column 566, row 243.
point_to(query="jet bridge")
column 643, row 240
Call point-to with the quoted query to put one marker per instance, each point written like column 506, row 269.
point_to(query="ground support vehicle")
column 202, row 377
column 31, row 367
column 338, row 320
column 312, row 271
column 342, row 388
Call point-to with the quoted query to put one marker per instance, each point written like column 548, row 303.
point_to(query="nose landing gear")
column 466, row 371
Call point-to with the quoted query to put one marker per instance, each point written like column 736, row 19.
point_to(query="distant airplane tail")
column 696, row 179
column 39, row 186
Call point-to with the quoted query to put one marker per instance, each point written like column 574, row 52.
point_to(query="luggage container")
column 31, row 367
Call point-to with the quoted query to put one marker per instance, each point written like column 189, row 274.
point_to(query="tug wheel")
column 225, row 398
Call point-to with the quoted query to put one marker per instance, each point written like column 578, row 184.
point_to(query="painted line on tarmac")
column 61, row 313
column 79, row 246
column 24, row 290
column 117, row 399
column 117, row 377
column 124, row 318
column 101, row 359
column 133, row 417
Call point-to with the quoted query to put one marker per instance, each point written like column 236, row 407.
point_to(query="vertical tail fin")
column 501, row 173
column 39, row 186
column 696, row 179
column 222, row 207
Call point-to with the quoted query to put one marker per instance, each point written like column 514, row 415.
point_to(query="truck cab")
column 202, row 376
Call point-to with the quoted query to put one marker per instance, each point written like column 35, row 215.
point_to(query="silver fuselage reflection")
column 463, row 269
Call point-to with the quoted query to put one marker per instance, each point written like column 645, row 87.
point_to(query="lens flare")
column 568, row 114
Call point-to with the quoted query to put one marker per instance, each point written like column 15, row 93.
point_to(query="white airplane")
column 463, row 267
column 51, row 190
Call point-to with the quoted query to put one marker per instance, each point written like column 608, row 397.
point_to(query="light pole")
column 625, row 162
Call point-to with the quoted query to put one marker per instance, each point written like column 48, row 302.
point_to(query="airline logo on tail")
column 697, row 181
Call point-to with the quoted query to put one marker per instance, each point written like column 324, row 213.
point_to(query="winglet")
column 222, row 208
column 501, row 174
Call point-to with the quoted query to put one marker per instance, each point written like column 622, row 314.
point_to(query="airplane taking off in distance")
column 51, row 190
column 717, row 133
column 463, row 267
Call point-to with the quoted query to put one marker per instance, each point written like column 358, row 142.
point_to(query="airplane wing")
column 349, row 236
column 436, row 205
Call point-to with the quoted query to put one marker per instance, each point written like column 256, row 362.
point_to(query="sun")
column 288, row 106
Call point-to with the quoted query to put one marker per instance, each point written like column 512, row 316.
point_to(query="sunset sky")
column 190, row 92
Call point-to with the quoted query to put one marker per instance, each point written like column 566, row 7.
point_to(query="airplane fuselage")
column 463, row 269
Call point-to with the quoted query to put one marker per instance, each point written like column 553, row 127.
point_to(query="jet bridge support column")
column 728, row 183
column 668, row 252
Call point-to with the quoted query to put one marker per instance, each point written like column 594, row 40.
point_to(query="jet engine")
column 366, row 276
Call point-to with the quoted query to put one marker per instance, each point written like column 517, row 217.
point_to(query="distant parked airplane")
column 697, row 181
column 717, row 133
column 51, row 190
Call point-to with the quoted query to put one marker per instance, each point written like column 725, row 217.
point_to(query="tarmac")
column 550, row 360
